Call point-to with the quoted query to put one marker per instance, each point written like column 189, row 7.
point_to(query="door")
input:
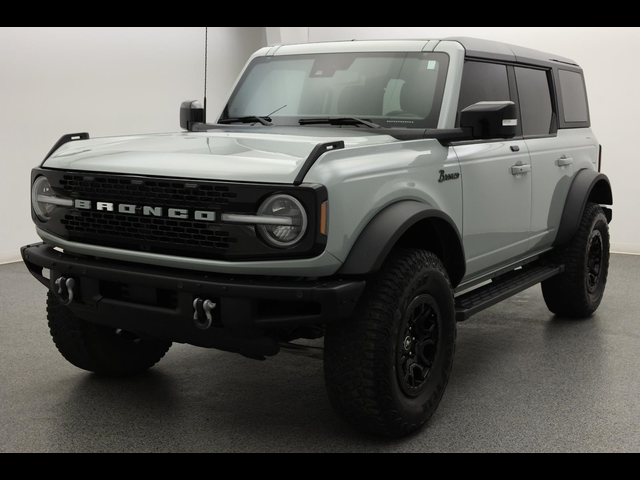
column 497, row 203
column 496, row 178
column 551, row 161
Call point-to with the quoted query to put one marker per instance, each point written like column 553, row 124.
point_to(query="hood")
column 240, row 156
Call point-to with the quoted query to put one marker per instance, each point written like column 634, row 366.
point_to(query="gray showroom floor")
column 523, row 381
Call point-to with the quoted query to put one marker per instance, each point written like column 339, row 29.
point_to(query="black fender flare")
column 385, row 230
column 588, row 186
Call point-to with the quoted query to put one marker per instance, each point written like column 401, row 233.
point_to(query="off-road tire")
column 361, row 355
column 99, row 349
column 572, row 294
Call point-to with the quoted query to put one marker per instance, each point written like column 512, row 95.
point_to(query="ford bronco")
column 370, row 193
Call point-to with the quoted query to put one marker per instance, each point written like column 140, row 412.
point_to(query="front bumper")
column 159, row 302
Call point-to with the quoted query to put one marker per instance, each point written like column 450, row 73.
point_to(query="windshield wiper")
column 266, row 121
column 339, row 121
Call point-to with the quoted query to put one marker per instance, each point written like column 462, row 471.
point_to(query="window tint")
column 574, row 97
column 535, row 101
column 483, row 82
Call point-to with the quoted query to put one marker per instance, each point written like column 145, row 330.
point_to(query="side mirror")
column 490, row 120
column 191, row 112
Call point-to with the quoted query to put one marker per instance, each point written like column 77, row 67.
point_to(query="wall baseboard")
column 9, row 257
column 625, row 248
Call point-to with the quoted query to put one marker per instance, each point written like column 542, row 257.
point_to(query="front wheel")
column 387, row 368
column 99, row 349
column 579, row 291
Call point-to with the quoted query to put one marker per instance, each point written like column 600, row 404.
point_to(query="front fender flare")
column 386, row 229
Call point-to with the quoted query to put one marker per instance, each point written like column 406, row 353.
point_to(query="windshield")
column 394, row 90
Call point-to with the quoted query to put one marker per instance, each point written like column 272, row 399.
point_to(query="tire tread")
column 357, row 352
column 566, row 295
column 89, row 347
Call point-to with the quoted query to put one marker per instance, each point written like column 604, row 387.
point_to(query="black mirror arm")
column 448, row 136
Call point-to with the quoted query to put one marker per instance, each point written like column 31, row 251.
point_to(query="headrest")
column 418, row 93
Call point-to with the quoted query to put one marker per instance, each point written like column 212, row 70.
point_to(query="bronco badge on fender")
column 445, row 177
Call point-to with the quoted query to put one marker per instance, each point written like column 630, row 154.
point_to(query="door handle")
column 520, row 169
column 564, row 161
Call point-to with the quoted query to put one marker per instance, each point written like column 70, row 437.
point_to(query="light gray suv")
column 372, row 194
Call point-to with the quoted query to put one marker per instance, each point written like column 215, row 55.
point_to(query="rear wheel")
column 579, row 291
column 387, row 368
column 99, row 349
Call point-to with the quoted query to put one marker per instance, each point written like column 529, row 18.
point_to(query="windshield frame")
column 431, row 122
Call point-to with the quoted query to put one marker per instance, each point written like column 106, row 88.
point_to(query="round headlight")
column 293, row 217
column 40, row 191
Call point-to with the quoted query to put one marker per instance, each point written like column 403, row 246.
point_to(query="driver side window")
column 483, row 82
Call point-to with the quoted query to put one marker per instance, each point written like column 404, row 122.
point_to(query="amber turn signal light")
column 323, row 219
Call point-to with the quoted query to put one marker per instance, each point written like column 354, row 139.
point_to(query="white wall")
column 608, row 56
column 287, row 35
column 105, row 81
column 229, row 50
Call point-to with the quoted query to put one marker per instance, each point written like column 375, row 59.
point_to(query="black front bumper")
column 249, row 317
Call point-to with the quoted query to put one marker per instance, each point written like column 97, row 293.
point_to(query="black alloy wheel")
column 595, row 260
column 418, row 345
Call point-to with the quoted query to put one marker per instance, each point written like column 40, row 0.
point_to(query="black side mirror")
column 490, row 120
column 191, row 112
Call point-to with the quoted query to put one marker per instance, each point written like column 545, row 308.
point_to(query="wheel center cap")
column 407, row 343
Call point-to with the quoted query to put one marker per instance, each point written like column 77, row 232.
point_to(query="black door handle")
column 515, row 148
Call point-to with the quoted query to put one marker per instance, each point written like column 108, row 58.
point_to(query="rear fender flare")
column 588, row 186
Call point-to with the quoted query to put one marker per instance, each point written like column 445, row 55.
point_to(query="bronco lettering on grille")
column 177, row 213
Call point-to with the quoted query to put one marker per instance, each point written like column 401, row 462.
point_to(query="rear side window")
column 574, row 97
column 483, row 82
column 536, row 106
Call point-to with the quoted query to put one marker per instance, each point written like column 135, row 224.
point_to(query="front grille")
column 144, row 229
column 189, row 237
column 150, row 192
column 143, row 232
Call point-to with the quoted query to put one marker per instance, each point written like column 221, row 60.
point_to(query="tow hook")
column 64, row 290
column 203, row 313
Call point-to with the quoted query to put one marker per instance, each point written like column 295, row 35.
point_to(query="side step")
column 502, row 288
